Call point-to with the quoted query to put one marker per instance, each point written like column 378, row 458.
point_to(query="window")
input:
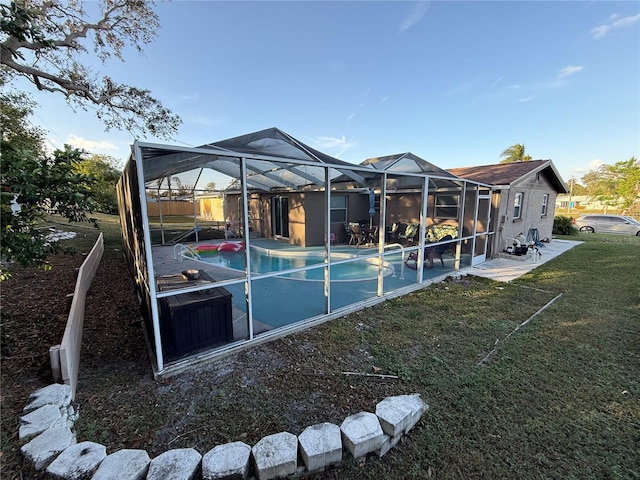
column 446, row 206
column 338, row 213
column 517, row 205
column 545, row 204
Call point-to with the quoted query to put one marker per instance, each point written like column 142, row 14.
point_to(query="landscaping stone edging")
column 52, row 445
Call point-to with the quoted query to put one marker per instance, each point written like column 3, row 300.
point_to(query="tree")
column 628, row 188
column 44, row 42
column 103, row 172
column 515, row 153
column 576, row 188
column 600, row 185
column 15, row 108
column 33, row 184
column 615, row 185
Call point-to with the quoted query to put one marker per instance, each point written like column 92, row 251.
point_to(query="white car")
column 607, row 224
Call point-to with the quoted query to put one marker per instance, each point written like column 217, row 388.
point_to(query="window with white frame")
column 545, row 204
column 338, row 212
column 517, row 205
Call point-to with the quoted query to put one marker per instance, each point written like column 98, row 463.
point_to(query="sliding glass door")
column 280, row 217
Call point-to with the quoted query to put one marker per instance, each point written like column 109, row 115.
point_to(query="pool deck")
column 506, row 268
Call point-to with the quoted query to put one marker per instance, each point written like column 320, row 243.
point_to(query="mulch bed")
column 34, row 308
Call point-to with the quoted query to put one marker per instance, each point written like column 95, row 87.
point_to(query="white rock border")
column 320, row 446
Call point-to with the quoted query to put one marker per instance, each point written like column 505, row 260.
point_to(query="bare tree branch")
column 40, row 41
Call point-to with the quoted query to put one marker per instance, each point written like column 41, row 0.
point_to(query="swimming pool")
column 267, row 261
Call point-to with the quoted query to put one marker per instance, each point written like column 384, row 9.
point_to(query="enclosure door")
column 482, row 227
column 280, row 217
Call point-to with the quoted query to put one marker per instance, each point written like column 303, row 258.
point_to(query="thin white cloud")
column 615, row 22
column 359, row 107
column 496, row 82
column 522, row 93
column 202, row 121
column 570, row 70
column 349, row 144
column 626, row 21
column 419, row 10
column 342, row 144
column 328, row 142
column 352, row 115
column 601, row 31
column 189, row 98
column 90, row 145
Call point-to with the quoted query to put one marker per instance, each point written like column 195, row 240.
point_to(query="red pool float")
column 231, row 247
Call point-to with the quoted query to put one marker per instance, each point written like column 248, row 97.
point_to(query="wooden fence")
column 172, row 208
column 65, row 358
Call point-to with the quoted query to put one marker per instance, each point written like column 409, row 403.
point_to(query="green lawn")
column 559, row 399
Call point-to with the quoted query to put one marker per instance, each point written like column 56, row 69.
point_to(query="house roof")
column 506, row 174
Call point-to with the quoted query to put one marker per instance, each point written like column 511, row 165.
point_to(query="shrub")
column 563, row 225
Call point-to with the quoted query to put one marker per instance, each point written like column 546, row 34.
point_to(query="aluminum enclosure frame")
column 138, row 247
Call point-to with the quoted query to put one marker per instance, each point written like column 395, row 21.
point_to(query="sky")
column 453, row 82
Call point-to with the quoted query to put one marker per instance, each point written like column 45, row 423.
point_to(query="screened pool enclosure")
column 247, row 239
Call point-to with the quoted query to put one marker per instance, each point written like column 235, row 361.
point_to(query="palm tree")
column 515, row 153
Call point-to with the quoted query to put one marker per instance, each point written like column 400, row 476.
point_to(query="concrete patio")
column 509, row 267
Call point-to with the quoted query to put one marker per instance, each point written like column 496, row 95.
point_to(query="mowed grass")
column 559, row 399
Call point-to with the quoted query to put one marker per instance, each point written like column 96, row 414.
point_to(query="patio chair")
column 396, row 230
column 439, row 250
column 354, row 232
column 410, row 233
column 358, row 234
column 429, row 254
column 435, row 232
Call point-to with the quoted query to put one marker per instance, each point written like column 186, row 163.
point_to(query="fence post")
column 54, row 358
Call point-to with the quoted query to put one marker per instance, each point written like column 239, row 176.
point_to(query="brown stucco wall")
column 403, row 208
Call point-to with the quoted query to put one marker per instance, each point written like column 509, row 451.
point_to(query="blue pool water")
column 266, row 262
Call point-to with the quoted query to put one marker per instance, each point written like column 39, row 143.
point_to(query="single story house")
column 524, row 197
column 567, row 203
